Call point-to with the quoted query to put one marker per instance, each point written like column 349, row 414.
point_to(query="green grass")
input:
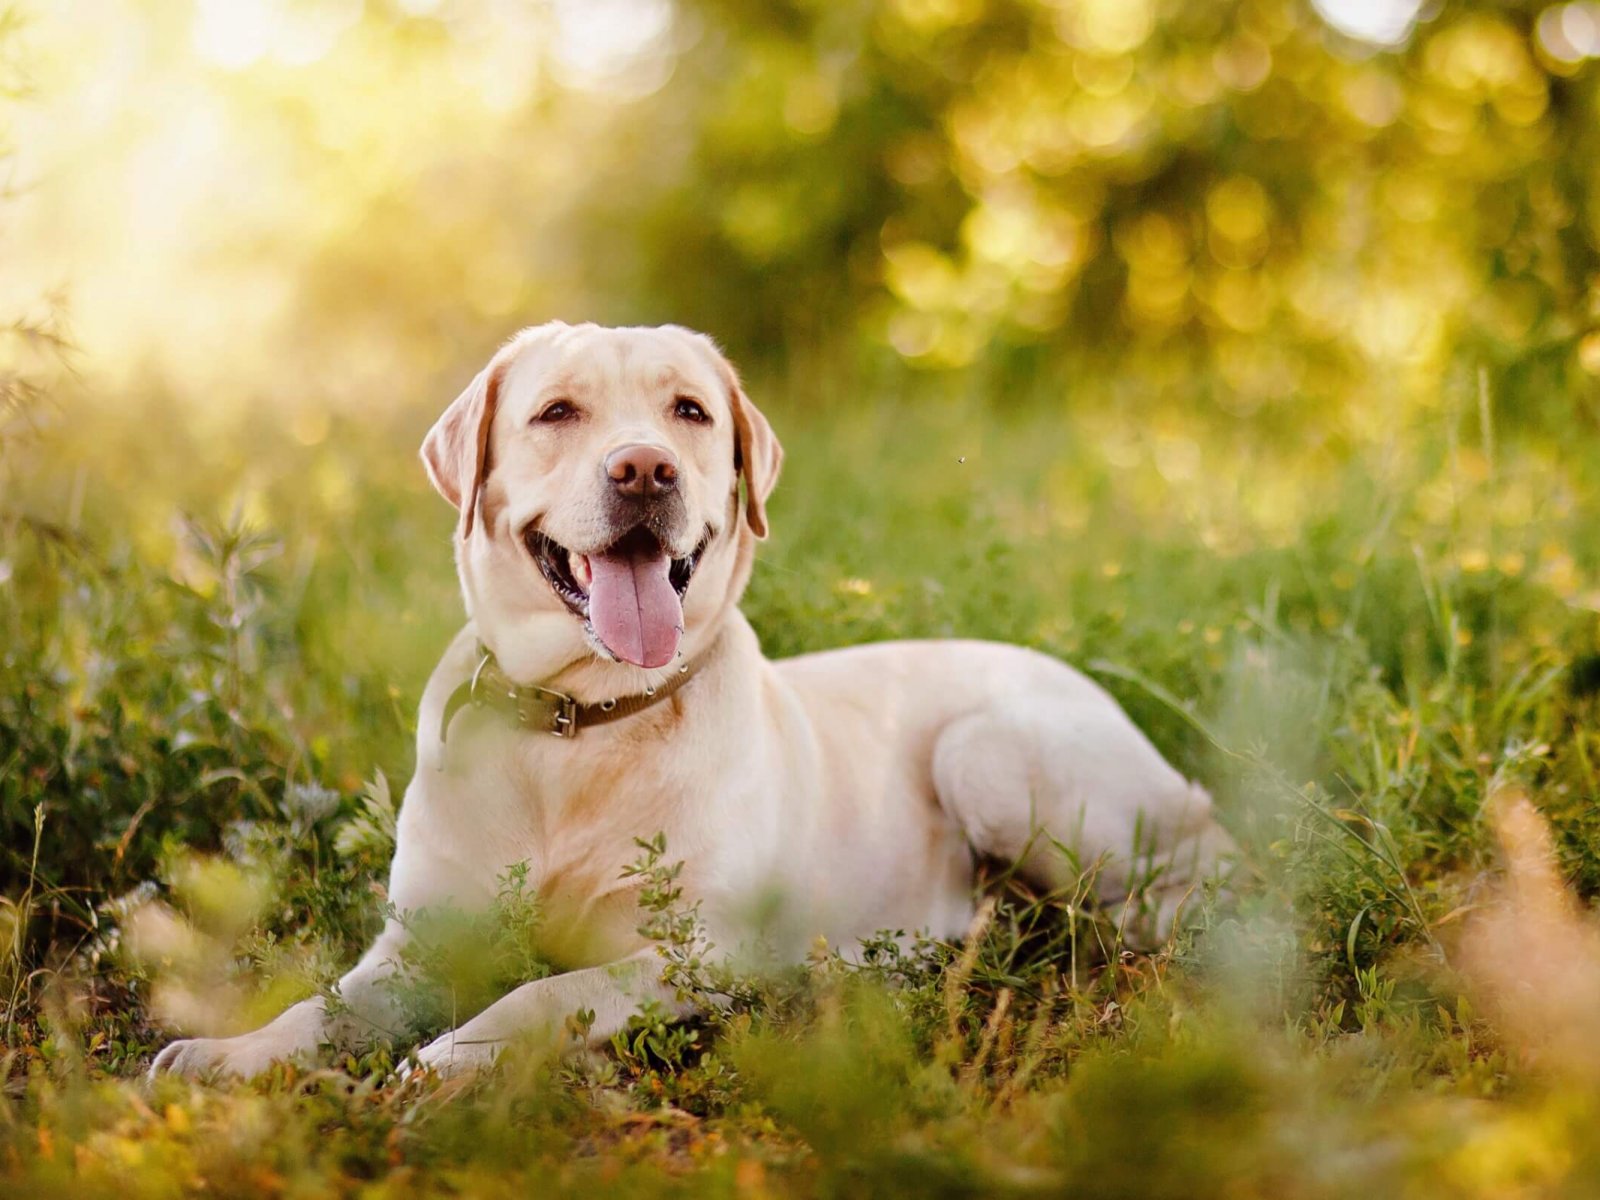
column 1355, row 645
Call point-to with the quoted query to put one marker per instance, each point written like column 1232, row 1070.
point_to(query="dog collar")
column 547, row 710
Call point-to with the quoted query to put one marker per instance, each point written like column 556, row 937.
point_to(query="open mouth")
column 630, row 595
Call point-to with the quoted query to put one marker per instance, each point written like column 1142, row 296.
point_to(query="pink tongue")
column 633, row 606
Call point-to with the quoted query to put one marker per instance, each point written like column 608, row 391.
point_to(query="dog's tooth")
column 581, row 570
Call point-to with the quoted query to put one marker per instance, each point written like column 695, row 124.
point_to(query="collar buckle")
column 562, row 721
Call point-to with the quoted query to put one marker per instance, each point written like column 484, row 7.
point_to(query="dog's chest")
column 574, row 811
column 570, row 815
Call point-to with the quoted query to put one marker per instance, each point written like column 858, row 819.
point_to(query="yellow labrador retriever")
column 606, row 686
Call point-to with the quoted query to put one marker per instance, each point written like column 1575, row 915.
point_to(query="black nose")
column 642, row 471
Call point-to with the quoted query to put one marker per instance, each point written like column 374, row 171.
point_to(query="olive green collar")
column 546, row 710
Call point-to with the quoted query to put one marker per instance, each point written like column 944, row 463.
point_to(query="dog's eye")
column 690, row 410
column 559, row 410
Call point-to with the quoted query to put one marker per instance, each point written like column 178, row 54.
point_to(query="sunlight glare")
column 1380, row 22
column 1570, row 33
column 233, row 34
column 611, row 45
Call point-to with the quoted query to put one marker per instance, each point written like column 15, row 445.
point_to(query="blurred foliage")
column 1127, row 194
column 1226, row 185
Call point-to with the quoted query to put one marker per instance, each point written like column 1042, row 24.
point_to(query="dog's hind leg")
column 1068, row 789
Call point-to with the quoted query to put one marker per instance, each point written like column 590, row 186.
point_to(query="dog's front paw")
column 200, row 1056
column 239, row 1057
column 451, row 1055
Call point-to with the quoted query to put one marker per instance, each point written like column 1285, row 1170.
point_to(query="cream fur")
column 854, row 785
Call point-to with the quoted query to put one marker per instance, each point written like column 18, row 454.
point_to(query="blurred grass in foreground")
column 1356, row 647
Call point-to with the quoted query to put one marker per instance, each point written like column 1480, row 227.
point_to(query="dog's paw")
column 452, row 1056
column 237, row 1057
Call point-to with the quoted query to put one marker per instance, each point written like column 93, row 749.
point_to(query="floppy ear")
column 456, row 450
column 756, row 453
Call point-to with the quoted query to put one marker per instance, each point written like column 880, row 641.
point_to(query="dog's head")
column 596, row 472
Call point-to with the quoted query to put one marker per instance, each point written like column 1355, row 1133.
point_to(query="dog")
column 606, row 687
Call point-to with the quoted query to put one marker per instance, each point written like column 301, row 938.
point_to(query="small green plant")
column 455, row 962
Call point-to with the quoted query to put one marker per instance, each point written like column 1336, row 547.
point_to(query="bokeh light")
column 1384, row 22
column 1301, row 204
